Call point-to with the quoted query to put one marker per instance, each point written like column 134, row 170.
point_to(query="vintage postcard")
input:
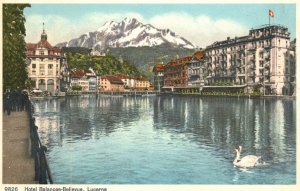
column 104, row 96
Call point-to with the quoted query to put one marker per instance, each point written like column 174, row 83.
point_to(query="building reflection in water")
column 263, row 126
column 86, row 117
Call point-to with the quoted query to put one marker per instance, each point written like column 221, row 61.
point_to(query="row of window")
column 42, row 52
column 42, row 72
column 45, row 59
column 225, row 50
column 42, row 66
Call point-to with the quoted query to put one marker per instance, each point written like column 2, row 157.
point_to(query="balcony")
column 240, row 74
column 251, row 73
column 252, row 59
column 251, row 66
column 232, row 73
column 268, row 46
column 267, row 57
column 251, row 48
column 231, row 67
column 267, row 65
column 241, row 51
column 239, row 58
column 267, row 73
column 261, row 58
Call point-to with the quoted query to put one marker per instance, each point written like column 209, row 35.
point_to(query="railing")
column 42, row 170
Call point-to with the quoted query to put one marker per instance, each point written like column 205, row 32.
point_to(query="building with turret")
column 48, row 68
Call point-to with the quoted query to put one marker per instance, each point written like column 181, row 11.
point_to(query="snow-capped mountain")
column 127, row 33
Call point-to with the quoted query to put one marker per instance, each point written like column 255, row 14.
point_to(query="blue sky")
column 202, row 24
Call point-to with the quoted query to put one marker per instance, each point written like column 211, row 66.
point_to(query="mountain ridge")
column 127, row 33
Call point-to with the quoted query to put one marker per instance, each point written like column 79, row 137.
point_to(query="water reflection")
column 200, row 133
column 263, row 127
column 86, row 117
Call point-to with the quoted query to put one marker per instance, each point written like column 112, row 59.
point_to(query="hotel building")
column 176, row 73
column 47, row 69
column 263, row 59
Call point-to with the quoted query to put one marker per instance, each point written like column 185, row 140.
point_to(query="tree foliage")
column 144, row 58
column 76, row 88
column 103, row 65
column 14, row 58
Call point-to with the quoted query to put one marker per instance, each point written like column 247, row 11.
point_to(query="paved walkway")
column 18, row 165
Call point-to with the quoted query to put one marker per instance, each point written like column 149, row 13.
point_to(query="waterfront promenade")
column 18, row 165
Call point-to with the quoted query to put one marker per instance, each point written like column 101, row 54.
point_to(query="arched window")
column 50, row 85
column 42, row 84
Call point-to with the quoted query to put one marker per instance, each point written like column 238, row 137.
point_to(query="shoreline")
column 237, row 96
column 125, row 94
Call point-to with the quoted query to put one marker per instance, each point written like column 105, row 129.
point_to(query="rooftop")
column 269, row 26
column 113, row 79
column 199, row 54
column 159, row 68
column 77, row 73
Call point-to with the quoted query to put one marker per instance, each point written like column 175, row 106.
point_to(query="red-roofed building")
column 176, row 72
column 142, row 83
column 196, row 69
column 129, row 82
column 48, row 69
column 87, row 79
column 111, row 83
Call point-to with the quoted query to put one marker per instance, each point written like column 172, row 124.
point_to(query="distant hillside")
column 144, row 58
column 103, row 65
column 73, row 50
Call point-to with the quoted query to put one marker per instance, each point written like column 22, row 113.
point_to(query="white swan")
column 245, row 162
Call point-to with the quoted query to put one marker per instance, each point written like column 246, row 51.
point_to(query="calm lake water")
column 167, row 139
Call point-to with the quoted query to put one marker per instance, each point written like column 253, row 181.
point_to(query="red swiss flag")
column 271, row 13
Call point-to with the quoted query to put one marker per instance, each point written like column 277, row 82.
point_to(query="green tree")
column 76, row 88
column 14, row 46
column 103, row 65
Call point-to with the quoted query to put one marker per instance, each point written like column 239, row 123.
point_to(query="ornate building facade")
column 196, row 69
column 47, row 69
column 262, row 59
column 176, row 73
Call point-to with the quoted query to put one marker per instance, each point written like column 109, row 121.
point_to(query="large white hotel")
column 264, row 58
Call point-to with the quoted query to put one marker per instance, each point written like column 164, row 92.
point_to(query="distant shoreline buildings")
column 265, row 59
column 48, row 70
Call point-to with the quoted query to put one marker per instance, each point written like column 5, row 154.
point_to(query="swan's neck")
column 237, row 157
